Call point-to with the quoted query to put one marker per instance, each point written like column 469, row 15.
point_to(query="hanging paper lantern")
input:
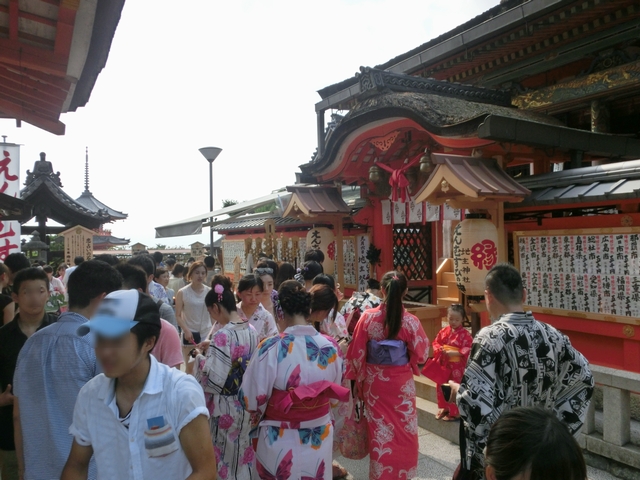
column 322, row 239
column 475, row 252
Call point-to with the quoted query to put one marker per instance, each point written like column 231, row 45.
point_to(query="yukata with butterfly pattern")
column 291, row 382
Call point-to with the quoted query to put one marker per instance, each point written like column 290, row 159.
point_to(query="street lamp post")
column 210, row 153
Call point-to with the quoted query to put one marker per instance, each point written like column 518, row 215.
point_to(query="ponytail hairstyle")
column 323, row 298
column 459, row 308
column 294, row 299
column 221, row 294
column 394, row 284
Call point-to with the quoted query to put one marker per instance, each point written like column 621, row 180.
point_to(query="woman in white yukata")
column 291, row 382
column 250, row 290
column 324, row 307
column 220, row 374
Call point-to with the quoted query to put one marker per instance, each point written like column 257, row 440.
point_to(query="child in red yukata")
column 451, row 347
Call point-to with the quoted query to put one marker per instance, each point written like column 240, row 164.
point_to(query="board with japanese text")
column 230, row 250
column 595, row 271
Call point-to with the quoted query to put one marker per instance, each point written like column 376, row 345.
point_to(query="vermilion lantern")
column 475, row 252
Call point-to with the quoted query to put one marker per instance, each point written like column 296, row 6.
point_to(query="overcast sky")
column 241, row 75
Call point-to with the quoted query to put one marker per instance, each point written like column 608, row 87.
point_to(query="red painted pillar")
column 382, row 238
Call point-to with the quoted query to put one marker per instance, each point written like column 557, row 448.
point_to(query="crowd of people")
column 156, row 369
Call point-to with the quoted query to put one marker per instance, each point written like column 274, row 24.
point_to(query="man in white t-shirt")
column 76, row 261
column 140, row 419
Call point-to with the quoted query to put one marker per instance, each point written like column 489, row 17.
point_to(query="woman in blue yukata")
column 291, row 382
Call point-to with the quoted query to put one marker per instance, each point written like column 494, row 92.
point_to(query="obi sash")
column 387, row 352
column 304, row 403
column 449, row 348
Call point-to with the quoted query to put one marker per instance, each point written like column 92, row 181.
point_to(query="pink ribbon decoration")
column 398, row 180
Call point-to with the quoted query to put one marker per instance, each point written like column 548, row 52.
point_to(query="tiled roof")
column 610, row 182
column 256, row 220
column 469, row 178
column 88, row 201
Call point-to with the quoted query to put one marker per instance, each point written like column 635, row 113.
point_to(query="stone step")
column 425, row 388
column 427, row 420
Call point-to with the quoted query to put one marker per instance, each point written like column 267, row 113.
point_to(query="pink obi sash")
column 304, row 403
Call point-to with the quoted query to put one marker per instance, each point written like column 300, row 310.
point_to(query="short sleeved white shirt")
column 150, row 447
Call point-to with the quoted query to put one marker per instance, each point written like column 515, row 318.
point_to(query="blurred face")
column 252, row 297
column 267, row 281
column 118, row 356
column 199, row 275
column 163, row 279
column 32, row 297
column 61, row 271
column 454, row 318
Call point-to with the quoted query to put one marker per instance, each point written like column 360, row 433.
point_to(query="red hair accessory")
column 219, row 289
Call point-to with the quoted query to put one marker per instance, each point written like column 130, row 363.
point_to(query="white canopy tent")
column 193, row 225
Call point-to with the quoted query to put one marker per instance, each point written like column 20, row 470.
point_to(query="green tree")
column 228, row 203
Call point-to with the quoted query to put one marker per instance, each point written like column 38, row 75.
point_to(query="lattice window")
column 412, row 250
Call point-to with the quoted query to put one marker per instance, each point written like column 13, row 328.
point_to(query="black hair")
column 226, row 299
column 28, row 274
column 144, row 331
column 47, row 269
column 178, row 269
column 459, row 308
column 314, row 255
column 107, row 258
column 170, row 261
column 324, row 279
column 394, row 285
column 294, row 299
column 323, row 297
column 191, row 259
column 78, row 260
column 209, row 262
column 533, row 439
column 248, row 282
column 311, row 270
column 145, row 261
column 269, row 264
column 159, row 271
column 157, row 257
column 286, row 271
column 16, row 262
column 373, row 284
column 90, row 280
column 133, row 276
column 504, row 282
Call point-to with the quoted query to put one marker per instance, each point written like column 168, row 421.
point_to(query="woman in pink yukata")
column 291, row 382
column 220, row 374
column 451, row 347
column 383, row 356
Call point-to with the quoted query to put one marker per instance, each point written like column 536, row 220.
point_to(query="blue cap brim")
column 107, row 327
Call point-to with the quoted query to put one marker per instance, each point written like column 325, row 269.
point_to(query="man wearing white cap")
column 140, row 419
